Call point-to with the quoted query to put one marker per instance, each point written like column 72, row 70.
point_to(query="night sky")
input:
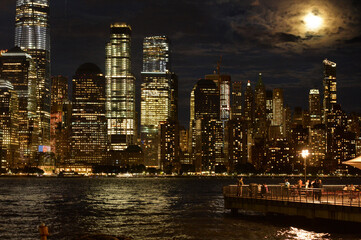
column 251, row 36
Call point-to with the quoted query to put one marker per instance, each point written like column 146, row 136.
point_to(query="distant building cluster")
column 232, row 128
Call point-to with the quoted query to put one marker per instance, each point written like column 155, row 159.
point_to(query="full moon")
column 313, row 22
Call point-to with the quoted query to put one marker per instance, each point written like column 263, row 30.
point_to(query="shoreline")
column 178, row 176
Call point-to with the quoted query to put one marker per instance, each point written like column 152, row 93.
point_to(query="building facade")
column 159, row 92
column 120, row 88
column 19, row 68
column 58, row 122
column 9, row 113
column 314, row 107
column 88, row 122
column 32, row 34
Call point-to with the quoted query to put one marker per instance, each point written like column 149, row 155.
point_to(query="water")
column 144, row 208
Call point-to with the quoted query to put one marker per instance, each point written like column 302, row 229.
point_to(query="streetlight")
column 304, row 154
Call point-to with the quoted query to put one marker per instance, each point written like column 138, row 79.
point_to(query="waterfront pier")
column 330, row 202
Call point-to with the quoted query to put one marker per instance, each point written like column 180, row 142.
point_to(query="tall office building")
column 156, row 54
column 169, row 146
column 278, row 109
column 236, row 100
column 18, row 67
column 206, row 127
column 9, row 110
column 120, row 88
column 88, row 122
column 59, row 99
column 223, row 83
column 330, row 86
column 32, row 34
column 314, row 107
column 269, row 105
column 159, row 92
column 248, row 109
column 260, row 117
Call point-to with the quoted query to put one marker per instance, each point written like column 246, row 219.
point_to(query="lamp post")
column 304, row 154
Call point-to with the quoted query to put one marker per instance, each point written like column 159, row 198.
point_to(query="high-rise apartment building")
column 223, row 83
column 159, row 92
column 330, row 86
column 314, row 107
column 9, row 110
column 248, row 109
column 19, row 68
column 277, row 107
column 260, row 116
column 317, row 146
column 32, row 34
column 120, row 88
column 206, row 128
column 59, row 99
column 236, row 101
column 88, row 122
column 269, row 105
column 169, row 146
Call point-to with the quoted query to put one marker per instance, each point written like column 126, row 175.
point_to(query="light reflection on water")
column 300, row 234
column 145, row 208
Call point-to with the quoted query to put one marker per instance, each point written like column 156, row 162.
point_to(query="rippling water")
column 144, row 208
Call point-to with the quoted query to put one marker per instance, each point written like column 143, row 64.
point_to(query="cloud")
column 280, row 24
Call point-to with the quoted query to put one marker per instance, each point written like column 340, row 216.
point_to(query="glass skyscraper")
column 330, row 86
column 156, row 54
column 120, row 88
column 32, row 34
column 9, row 126
column 19, row 68
column 88, row 123
column 158, row 94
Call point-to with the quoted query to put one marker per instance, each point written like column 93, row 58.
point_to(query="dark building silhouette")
column 88, row 123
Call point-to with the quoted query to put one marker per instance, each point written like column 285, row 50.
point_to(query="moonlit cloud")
column 280, row 24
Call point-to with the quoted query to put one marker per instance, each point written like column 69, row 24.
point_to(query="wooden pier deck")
column 330, row 202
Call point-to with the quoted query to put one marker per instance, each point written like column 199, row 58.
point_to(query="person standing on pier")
column 319, row 190
column 307, row 184
column 240, row 186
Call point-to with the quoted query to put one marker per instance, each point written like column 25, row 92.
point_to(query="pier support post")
column 44, row 232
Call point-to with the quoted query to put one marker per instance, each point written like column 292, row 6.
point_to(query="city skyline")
column 287, row 59
column 101, row 124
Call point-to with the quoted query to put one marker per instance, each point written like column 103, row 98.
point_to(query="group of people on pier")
column 316, row 185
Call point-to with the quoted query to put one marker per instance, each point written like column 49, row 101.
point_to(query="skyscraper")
column 260, row 118
column 32, row 34
column 277, row 107
column 237, row 100
column 159, row 92
column 19, row 68
column 314, row 107
column 88, row 123
column 330, row 86
column 120, row 88
column 269, row 105
column 207, row 130
column 156, row 54
column 59, row 98
column 9, row 109
column 223, row 83
column 169, row 146
column 248, row 104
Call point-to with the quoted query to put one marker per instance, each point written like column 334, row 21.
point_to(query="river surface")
column 144, row 208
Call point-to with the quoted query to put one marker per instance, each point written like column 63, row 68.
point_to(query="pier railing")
column 329, row 194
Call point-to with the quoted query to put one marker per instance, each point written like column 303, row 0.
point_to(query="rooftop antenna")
column 219, row 63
